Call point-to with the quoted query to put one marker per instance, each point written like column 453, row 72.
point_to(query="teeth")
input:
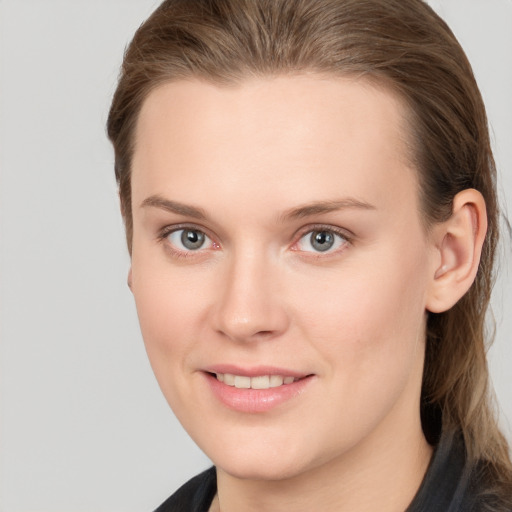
column 228, row 379
column 260, row 382
column 276, row 381
column 242, row 382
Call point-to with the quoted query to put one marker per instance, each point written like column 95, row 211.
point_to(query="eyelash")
column 164, row 234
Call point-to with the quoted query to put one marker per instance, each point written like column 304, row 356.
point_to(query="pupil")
column 322, row 240
column 192, row 239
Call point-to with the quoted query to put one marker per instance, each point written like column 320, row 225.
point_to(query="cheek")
column 169, row 306
column 368, row 328
column 368, row 318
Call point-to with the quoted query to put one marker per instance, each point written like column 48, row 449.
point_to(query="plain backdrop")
column 83, row 426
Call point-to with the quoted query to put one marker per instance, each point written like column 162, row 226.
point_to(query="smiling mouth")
column 256, row 391
column 258, row 382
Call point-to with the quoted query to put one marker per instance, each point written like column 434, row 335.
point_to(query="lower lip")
column 256, row 400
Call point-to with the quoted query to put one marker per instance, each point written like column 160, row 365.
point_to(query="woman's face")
column 278, row 244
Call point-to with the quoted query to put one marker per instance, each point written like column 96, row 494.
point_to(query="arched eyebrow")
column 299, row 212
column 319, row 207
column 186, row 210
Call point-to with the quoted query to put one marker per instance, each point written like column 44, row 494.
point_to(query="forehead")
column 310, row 131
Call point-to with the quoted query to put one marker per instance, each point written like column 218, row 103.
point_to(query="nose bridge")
column 250, row 306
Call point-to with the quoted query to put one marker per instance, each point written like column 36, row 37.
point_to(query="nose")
column 251, row 304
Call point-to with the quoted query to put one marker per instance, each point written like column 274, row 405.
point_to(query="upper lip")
column 254, row 371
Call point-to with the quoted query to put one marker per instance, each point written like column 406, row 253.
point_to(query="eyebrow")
column 299, row 212
column 186, row 210
column 319, row 207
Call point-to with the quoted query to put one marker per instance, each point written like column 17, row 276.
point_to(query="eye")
column 188, row 239
column 321, row 240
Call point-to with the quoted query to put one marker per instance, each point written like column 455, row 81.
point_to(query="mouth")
column 258, row 382
column 257, row 390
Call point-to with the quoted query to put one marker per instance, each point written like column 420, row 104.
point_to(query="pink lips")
column 255, row 400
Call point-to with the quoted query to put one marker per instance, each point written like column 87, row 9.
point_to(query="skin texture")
column 257, row 292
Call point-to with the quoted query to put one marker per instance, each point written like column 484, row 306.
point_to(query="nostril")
column 263, row 333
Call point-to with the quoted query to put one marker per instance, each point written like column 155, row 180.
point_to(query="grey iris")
column 192, row 239
column 322, row 240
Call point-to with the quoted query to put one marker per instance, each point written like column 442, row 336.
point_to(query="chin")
column 267, row 461
column 270, row 469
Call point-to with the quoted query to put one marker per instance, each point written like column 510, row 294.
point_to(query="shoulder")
column 194, row 496
column 455, row 484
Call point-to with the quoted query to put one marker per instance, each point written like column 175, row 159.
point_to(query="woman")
column 309, row 198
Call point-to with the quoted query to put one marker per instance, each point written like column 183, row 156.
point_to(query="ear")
column 458, row 246
column 129, row 280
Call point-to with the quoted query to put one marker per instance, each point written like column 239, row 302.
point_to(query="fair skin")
column 277, row 231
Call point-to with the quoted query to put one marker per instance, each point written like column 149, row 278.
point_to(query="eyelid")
column 171, row 228
column 343, row 232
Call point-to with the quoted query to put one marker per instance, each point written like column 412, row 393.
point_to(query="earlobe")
column 459, row 242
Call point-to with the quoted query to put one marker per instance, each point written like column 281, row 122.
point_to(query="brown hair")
column 406, row 47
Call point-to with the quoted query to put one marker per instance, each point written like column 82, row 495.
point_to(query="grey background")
column 83, row 426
